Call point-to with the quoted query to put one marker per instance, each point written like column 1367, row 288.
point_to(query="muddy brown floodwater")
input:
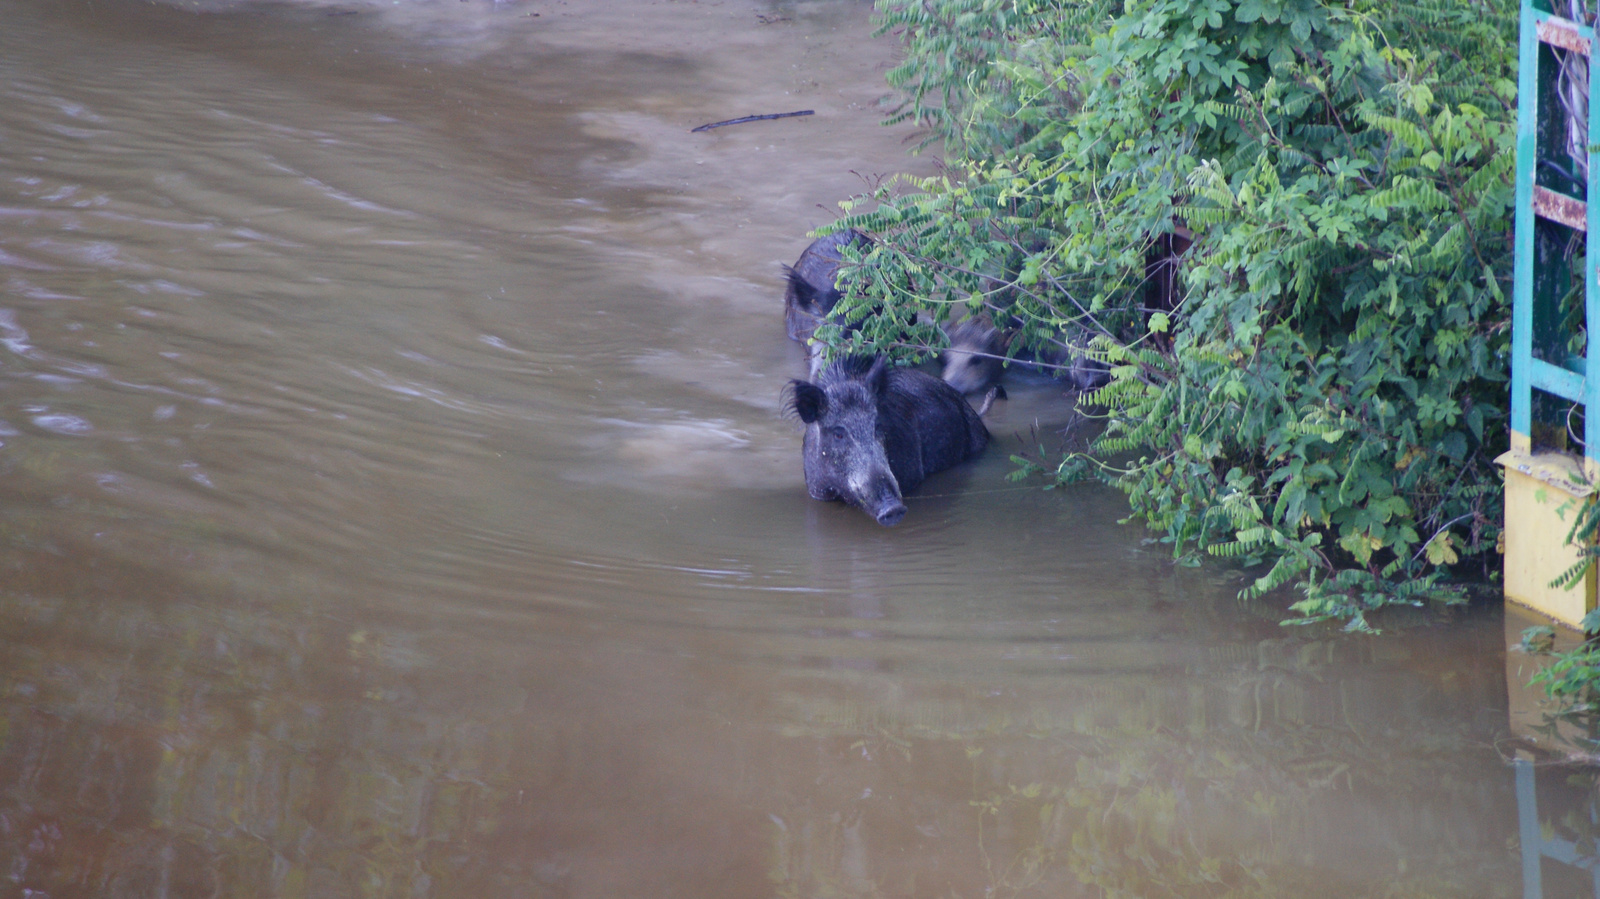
column 395, row 501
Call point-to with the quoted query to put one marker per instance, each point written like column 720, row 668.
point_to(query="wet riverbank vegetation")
column 1285, row 227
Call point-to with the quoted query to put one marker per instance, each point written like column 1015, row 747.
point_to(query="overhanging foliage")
column 1328, row 390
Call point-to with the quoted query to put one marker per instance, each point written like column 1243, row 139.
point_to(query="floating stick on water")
column 753, row 118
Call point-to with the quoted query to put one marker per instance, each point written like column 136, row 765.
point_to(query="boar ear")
column 807, row 400
column 799, row 288
column 877, row 377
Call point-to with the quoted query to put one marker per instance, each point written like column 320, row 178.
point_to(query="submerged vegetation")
column 1285, row 226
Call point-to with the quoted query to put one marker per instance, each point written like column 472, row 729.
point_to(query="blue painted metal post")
column 1522, row 279
column 1590, row 396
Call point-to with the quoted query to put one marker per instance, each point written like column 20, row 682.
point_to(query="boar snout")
column 889, row 516
column 882, row 500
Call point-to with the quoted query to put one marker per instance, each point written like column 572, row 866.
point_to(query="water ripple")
column 62, row 423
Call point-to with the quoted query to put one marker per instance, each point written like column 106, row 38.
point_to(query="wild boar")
column 874, row 432
column 810, row 292
column 976, row 358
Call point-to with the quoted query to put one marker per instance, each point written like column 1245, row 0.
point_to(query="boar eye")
column 836, row 432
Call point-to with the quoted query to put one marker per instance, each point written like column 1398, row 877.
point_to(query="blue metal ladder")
column 1537, row 288
column 1557, row 173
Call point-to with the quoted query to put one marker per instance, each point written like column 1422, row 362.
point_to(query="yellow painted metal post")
column 1543, row 495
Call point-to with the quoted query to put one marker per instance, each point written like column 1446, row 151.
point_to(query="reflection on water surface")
column 394, row 501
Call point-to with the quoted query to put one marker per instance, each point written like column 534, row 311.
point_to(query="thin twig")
column 1456, row 520
column 753, row 118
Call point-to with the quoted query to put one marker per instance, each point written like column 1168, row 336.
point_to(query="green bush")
column 1328, row 394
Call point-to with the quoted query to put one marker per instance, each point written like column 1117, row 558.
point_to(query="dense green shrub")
column 1329, row 393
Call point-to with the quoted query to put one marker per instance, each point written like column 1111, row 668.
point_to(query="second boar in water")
column 976, row 357
column 810, row 293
